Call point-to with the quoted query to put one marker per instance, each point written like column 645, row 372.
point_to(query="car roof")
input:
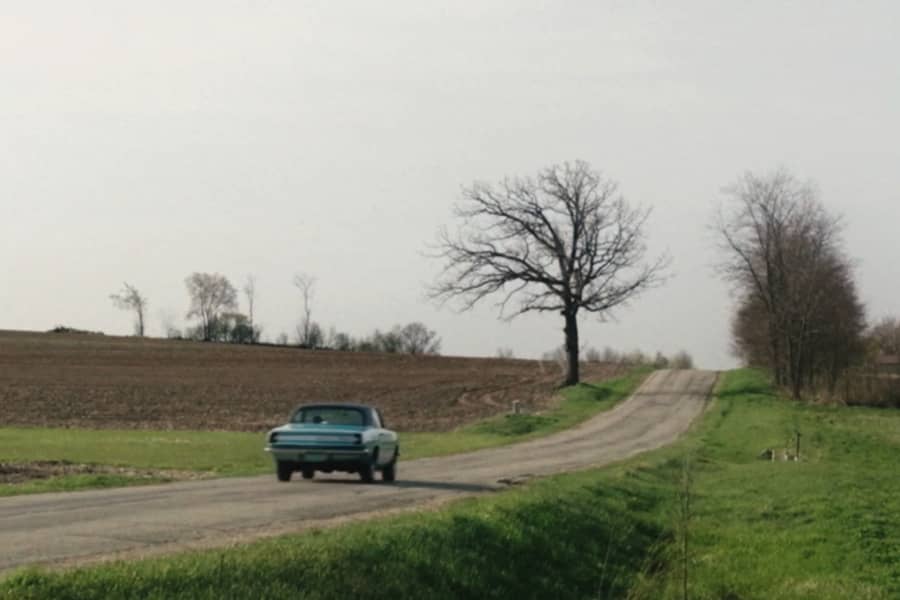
column 334, row 405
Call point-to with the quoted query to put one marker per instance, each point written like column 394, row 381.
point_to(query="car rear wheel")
column 389, row 471
column 367, row 470
column 308, row 473
column 284, row 470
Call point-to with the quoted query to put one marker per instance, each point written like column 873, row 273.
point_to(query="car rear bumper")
column 322, row 458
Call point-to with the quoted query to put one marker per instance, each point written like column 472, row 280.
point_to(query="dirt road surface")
column 77, row 527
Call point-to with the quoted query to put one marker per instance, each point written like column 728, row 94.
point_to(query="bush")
column 637, row 358
column 660, row 361
column 864, row 388
column 341, row 341
column 72, row 330
column 592, row 355
column 681, row 360
column 557, row 355
column 412, row 338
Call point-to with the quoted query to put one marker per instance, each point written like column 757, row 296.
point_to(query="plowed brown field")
column 79, row 380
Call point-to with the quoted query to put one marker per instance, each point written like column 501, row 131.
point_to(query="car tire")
column 284, row 470
column 308, row 473
column 367, row 471
column 389, row 471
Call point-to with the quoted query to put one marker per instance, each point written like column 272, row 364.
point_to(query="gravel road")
column 78, row 527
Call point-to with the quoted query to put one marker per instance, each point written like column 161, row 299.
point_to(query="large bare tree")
column 129, row 298
column 211, row 294
column 565, row 241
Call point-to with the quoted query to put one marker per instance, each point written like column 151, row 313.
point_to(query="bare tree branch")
column 306, row 332
column 249, row 290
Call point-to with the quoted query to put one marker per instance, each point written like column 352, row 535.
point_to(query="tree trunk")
column 775, row 353
column 571, row 330
column 207, row 327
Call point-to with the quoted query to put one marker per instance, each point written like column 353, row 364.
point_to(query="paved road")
column 75, row 527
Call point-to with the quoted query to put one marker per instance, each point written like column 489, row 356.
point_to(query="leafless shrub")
column 863, row 386
column 660, row 361
column 611, row 356
column 681, row 360
column 310, row 335
column 635, row 358
column 592, row 355
column 884, row 336
column 683, row 521
column 557, row 356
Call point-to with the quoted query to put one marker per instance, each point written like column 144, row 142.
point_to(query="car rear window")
column 328, row 415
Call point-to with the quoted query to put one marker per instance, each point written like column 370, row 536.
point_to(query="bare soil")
column 96, row 381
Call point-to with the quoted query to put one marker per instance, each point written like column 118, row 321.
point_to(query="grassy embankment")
column 827, row 527
column 218, row 453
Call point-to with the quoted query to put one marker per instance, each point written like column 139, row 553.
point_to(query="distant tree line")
column 876, row 381
column 214, row 307
column 635, row 358
column 412, row 338
column 883, row 339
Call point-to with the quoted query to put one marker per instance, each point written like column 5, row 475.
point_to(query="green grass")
column 827, row 527
column 71, row 483
column 214, row 453
column 219, row 453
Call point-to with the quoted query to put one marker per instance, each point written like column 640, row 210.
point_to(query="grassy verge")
column 217, row 452
column 71, row 483
column 222, row 454
column 827, row 526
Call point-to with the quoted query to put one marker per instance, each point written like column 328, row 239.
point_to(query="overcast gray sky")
column 144, row 141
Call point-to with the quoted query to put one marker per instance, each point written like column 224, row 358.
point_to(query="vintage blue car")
column 334, row 437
